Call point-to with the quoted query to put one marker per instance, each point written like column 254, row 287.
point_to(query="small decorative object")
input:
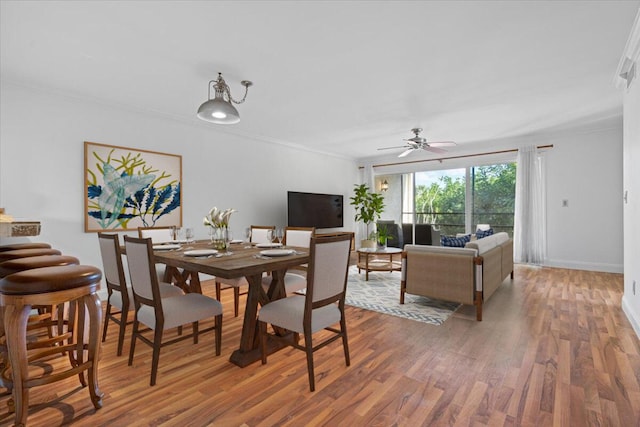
column 218, row 220
column 369, row 206
column 383, row 236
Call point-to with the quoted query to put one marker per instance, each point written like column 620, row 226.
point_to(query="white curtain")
column 366, row 177
column 530, row 225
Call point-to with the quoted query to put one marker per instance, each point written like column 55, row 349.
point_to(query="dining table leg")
column 249, row 350
column 188, row 281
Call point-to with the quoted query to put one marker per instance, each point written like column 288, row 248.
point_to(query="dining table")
column 241, row 259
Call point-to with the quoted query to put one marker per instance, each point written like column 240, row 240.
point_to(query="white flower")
column 218, row 218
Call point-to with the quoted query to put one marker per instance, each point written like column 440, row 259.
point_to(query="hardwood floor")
column 554, row 349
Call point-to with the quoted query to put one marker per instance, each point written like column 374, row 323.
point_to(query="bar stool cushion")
column 23, row 253
column 49, row 279
column 20, row 264
column 26, row 245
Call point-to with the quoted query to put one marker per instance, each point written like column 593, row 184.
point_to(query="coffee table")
column 376, row 260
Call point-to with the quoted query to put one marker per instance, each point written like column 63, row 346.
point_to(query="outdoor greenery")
column 493, row 190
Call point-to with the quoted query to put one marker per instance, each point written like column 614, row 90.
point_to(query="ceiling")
column 338, row 77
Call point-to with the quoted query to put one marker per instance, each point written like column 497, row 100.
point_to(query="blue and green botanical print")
column 131, row 189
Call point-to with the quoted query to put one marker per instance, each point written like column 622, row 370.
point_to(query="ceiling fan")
column 420, row 143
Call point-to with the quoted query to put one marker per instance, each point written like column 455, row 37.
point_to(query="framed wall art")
column 127, row 188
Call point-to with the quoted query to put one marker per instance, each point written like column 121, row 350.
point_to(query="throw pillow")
column 484, row 233
column 455, row 242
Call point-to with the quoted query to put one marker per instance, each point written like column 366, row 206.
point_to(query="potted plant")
column 369, row 206
column 383, row 235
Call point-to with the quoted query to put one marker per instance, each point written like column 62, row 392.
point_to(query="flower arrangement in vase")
column 218, row 220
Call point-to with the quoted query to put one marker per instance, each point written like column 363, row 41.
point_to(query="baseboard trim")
column 577, row 265
column 634, row 317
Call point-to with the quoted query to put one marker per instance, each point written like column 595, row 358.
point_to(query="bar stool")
column 75, row 284
column 27, row 245
column 24, row 253
column 44, row 318
column 21, row 264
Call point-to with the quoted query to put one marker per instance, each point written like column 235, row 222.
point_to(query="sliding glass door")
column 457, row 200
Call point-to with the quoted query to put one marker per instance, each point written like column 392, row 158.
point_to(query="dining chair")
column 320, row 308
column 259, row 233
column 235, row 284
column 160, row 314
column 120, row 295
column 158, row 236
column 298, row 237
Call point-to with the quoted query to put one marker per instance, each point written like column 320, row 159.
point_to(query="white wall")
column 586, row 170
column 42, row 166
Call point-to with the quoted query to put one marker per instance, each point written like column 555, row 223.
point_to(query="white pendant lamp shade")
column 220, row 109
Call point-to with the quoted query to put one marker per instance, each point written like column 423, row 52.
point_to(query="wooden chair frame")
column 310, row 305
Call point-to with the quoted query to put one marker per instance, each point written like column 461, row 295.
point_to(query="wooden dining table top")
column 242, row 261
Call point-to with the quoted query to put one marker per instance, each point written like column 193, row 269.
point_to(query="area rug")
column 381, row 293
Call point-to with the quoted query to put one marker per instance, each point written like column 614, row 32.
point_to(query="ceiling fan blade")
column 433, row 149
column 406, row 152
column 393, row 148
column 441, row 143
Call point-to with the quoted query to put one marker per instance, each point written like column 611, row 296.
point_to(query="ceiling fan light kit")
column 220, row 110
column 419, row 143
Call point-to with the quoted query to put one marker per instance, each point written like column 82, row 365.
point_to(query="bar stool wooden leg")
column 15, row 319
column 92, row 302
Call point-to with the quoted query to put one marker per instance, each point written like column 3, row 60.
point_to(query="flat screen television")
column 314, row 210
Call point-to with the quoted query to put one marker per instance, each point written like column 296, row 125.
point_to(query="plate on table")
column 268, row 245
column 166, row 247
column 276, row 252
column 201, row 252
column 233, row 242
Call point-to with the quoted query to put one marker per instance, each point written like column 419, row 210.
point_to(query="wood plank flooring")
column 554, row 349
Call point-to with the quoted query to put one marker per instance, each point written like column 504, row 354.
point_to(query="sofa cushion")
column 488, row 243
column 501, row 237
column 456, row 242
column 484, row 233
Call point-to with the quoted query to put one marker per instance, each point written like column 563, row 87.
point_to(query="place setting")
column 202, row 253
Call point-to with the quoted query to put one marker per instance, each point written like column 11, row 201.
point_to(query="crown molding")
column 191, row 121
column 627, row 68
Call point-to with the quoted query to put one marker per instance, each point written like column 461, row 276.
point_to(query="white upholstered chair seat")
column 181, row 310
column 236, row 283
column 289, row 313
column 167, row 290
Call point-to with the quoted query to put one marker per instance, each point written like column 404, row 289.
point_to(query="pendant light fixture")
column 220, row 109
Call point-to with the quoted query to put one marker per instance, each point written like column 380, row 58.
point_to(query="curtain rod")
column 454, row 157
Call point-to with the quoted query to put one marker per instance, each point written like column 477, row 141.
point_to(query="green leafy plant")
column 369, row 205
column 383, row 234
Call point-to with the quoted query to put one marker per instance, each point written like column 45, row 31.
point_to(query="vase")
column 219, row 238
column 382, row 243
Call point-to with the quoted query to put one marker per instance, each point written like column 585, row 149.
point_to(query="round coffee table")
column 376, row 260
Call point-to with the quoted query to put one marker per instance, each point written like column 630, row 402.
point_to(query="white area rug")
column 382, row 294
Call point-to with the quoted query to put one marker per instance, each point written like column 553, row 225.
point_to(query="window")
column 456, row 200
